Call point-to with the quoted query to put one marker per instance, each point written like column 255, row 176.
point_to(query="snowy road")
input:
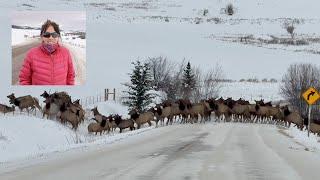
column 211, row 151
column 19, row 53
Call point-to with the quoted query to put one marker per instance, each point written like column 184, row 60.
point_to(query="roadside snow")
column 23, row 136
column 22, row 36
column 312, row 142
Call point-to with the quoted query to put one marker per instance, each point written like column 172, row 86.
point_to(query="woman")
column 50, row 63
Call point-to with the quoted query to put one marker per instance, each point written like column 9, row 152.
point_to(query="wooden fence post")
column 106, row 94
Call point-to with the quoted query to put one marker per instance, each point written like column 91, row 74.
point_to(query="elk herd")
column 60, row 106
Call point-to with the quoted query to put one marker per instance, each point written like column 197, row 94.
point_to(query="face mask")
column 50, row 48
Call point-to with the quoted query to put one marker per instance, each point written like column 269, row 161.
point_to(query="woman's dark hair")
column 47, row 24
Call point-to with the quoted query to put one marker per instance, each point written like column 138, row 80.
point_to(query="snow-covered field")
column 119, row 32
column 252, row 91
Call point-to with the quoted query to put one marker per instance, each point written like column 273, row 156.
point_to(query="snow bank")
column 23, row 136
column 111, row 107
column 312, row 142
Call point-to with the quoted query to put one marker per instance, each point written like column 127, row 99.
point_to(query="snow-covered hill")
column 119, row 32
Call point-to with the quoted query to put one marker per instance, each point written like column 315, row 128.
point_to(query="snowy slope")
column 23, row 136
column 252, row 91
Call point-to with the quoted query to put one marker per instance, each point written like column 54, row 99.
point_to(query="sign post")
column 311, row 96
column 309, row 119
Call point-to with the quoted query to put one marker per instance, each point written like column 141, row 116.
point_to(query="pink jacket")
column 41, row 68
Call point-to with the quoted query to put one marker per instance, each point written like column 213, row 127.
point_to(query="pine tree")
column 138, row 94
column 189, row 82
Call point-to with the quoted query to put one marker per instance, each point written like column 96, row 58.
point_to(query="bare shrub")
column 264, row 80
column 272, row 80
column 209, row 83
column 161, row 70
column 290, row 26
column 298, row 78
column 253, row 80
column 216, row 20
column 229, row 9
column 205, row 12
column 175, row 86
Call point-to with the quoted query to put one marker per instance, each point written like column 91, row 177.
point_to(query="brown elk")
column 6, row 109
column 123, row 124
column 24, row 102
column 142, row 118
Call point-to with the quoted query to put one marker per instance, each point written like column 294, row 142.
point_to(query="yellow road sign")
column 311, row 95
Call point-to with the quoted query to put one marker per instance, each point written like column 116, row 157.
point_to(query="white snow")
column 28, row 137
column 111, row 107
column 252, row 91
column 23, row 136
column 312, row 142
column 129, row 32
column 21, row 36
column 122, row 31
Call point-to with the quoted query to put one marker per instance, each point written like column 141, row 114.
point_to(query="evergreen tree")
column 138, row 94
column 188, row 81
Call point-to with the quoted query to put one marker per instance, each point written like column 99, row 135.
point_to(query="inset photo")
column 48, row 47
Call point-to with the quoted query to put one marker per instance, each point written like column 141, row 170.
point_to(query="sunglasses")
column 53, row 34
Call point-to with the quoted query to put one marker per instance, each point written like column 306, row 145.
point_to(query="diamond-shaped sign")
column 311, row 95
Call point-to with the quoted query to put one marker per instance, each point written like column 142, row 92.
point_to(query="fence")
column 106, row 95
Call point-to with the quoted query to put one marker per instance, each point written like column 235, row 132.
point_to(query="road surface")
column 231, row 151
column 19, row 53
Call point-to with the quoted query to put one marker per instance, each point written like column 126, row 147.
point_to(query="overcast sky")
column 67, row 20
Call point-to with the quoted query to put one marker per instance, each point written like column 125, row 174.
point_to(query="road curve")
column 232, row 151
